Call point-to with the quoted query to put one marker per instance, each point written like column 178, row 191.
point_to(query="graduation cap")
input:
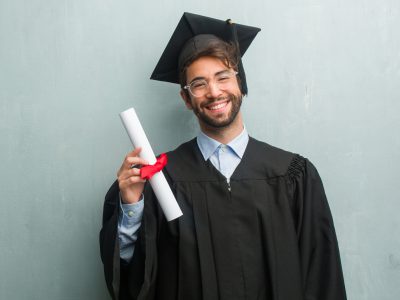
column 193, row 34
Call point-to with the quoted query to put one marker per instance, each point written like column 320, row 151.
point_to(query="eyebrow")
column 203, row 78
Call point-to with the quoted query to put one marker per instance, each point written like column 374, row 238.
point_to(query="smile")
column 217, row 106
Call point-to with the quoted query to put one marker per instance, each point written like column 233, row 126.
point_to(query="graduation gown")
column 268, row 234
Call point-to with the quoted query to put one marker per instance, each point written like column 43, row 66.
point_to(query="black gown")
column 269, row 234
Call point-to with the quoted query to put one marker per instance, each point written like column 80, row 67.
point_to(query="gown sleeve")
column 319, row 253
column 109, row 247
column 136, row 279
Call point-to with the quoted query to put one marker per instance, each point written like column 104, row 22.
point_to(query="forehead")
column 206, row 67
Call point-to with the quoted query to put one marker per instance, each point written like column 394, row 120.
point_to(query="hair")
column 226, row 52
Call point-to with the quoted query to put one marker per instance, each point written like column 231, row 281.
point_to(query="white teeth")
column 217, row 106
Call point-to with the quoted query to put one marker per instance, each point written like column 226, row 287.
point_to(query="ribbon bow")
column 146, row 172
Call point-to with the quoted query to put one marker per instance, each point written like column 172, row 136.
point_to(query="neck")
column 225, row 134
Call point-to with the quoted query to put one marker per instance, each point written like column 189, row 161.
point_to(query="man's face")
column 218, row 108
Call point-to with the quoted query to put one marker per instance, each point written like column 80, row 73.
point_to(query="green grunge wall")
column 323, row 81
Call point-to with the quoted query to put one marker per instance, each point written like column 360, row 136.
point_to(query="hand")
column 130, row 183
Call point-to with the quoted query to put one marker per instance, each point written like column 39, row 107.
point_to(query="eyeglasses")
column 223, row 81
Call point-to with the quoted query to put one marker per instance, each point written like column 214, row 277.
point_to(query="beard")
column 215, row 122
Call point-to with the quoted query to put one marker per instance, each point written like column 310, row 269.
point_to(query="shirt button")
column 130, row 213
column 223, row 147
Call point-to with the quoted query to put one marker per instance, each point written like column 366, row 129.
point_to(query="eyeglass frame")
column 188, row 86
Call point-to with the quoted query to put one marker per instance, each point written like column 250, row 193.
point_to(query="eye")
column 198, row 84
column 223, row 78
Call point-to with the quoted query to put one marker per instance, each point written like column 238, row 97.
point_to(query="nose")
column 213, row 90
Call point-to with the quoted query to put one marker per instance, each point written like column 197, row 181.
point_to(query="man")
column 256, row 223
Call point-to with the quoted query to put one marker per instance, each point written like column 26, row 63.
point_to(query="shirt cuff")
column 131, row 214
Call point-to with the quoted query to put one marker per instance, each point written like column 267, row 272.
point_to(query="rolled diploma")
column 160, row 186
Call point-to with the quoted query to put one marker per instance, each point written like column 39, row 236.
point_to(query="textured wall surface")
column 324, row 81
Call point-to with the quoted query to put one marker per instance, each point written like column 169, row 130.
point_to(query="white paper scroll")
column 160, row 186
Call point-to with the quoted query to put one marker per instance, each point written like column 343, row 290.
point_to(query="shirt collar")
column 208, row 145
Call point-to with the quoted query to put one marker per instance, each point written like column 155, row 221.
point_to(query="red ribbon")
column 146, row 172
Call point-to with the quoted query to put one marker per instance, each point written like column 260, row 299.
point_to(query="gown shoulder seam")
column 296, row 166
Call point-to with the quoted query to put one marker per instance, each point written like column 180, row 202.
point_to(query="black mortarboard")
column 200, row 30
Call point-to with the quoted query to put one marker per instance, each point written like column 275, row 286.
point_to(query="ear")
column 186, row 99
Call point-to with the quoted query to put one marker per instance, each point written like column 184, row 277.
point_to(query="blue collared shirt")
column 225, row 159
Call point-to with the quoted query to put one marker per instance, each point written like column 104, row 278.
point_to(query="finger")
column 134, row 160
column 126, row 183
column 135, row 152
column 131, row 154
column 129, row 161
column 126, row 173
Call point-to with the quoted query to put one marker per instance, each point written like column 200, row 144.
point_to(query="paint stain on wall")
column 394, row 262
